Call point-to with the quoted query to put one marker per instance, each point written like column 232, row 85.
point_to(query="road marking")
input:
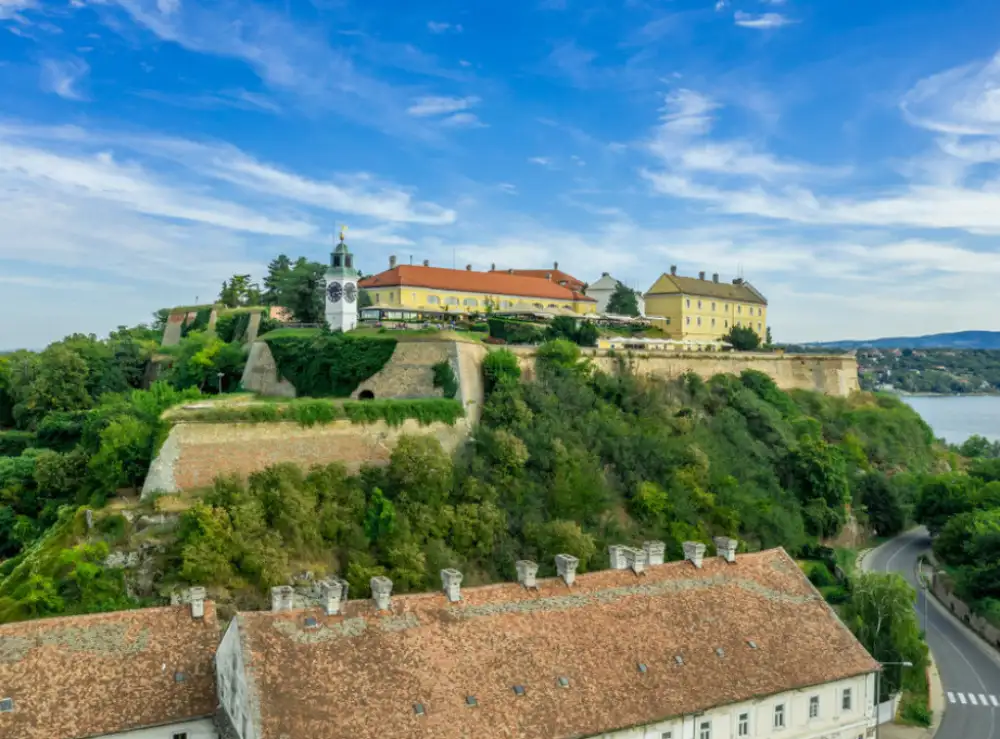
column 972, row 699
column 983, row 699
column 994, row 699
column 951, row 697
column 961, row 697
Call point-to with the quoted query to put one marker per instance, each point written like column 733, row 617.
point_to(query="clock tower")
column 341, row 289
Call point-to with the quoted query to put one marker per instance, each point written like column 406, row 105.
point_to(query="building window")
column 713, row 306
column 378, row 298
column 759, row 329
column 699, row 320
column 713, row 323
column 667, row 735
column 779, row 716
column 743, row 725
column 472, row 302
column 725, row 306
column 688, row 320
column 726, row 322
column 451, row 301
column 392, row 296
column 413, row 297
column 814, row 707
column 668, row 320
column 845, row 701
column 688, row 302
column 699, row 305
column 760, row 311
column 705, row 730
column 433, row 300
column 181, row 735
column 538, row 305
column 739, row 308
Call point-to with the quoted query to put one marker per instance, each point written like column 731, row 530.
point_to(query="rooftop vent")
column 6, row 705
column 493, row 266
column 451, row 581
column 719, row 651
column 468, row 268
column 566, row 567
column 654, row 552
column 642, row 668
column 673, row 270
column 563, row 682
column 616, row 553
column 381, row 592
column 527, row 572
column 636, row 560
column 555, row 265
column 715, row 277
column 197, row 597
column 392, row 261
column 179, row 676
column 695, row 552
column 752, row 644
column 679, row 659
column 470, row 700
column 726, row 547
column 510, row 271
column 701, row 275
column 418, row 708
column 282, row 598
column 331, row 591
column 518, row 690
column 311, row 622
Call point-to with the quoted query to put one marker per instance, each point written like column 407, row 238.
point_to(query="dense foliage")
column 324, row 364
column 623, row 301
column 743, row 338
column 515, row 332
column 948, row 371
column 444, row 378
column 312, row 411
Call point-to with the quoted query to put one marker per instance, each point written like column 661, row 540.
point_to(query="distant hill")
column 956, row 340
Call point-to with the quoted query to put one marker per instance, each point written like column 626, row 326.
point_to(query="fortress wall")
column 409, row 373
column 194, row 454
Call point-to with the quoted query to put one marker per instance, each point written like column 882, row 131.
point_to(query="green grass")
column 317, row 411
column 290, row 332
column 193, row 308
column 243, row 309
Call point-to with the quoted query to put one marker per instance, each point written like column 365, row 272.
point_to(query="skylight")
column 720, row 651
column 518, row 690
column 418, row 708
column 563, row 682
column 6, row 705
column 470, row 700
column 752, row 644
column 679, row 659
column 642, row 667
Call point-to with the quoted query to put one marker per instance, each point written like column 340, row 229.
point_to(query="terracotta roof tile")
column 490, row 283
column 358, row 676
column 84, row 676
column 558, row 276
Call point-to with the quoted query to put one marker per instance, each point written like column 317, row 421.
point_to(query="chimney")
column 451, row 581
column 636, row 559
column 555, row 265
column 468, row 268
column 381, row 591
column 654, row 552
column 701, row 275
column 566, row 567
column 427, row 262
column 604, row 274
column 726, row 547
column 510, row 271
column 392, row 261
column 548, row 276
column 527, row 571
column 282, row 598
column 673, row 270
column 493, row 266
column 695, row 552
column 330, row 592
column 197, row 597
column 715, row 277
column 616, row 553
column 737, row 280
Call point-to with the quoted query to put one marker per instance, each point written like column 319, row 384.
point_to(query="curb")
column 935, row 696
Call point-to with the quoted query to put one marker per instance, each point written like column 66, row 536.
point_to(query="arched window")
column 689, row 302
column 699, row 305
column 471, row 302
column 451, row 301
column 739, row 308
column 688, row 320
column 713, row 306
column 699, row 320
column 506, row 304
column 433, row 300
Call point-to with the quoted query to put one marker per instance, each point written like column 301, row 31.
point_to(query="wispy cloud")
column 62, row 77
column 963, row 101
column 237, row 99
column 762, row 20
column 441, row 27
column 438, row 105
column 9, row 8
column 541, row 161
column 463, row 120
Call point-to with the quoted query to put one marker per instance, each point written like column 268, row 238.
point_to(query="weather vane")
column 343, row 232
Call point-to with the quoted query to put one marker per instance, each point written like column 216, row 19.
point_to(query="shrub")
column 743, row 338
column 61, row 431
column 313, row 411
column 12, row 443
column 498, row 365
column 516, row 332
column 444, row 378
column 325, row 364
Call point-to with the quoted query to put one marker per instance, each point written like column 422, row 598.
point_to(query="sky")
column 842, row 155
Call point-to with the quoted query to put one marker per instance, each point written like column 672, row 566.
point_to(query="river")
column 957, row 417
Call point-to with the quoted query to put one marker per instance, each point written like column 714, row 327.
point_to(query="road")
column 969, row 669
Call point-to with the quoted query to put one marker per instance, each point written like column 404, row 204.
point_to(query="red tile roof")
column 460, row 280
column 85, row 676
column 359, row 676
column 558, row 276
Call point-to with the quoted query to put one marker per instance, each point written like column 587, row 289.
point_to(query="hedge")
column 62, row 430
column 516, row 332
column 327, row 364
column 311, row 411
column 12, row 443
column 444, row 378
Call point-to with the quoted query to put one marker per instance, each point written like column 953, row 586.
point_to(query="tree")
column 500, row 365
column 239, row 291
column 59, row 383
column 743, row 338
column 623, row 301
column 815, row 471
column 769, row 340
column 277, row 271
column 942, row 497
column 300, row 291
column 885, row 509
column 880, row 613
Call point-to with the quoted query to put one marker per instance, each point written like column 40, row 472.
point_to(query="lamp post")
column 878, row 689
column 220, row 375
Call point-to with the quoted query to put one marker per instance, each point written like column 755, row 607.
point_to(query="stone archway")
column 366, row 395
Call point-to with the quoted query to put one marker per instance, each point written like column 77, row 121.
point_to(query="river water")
column 957, row 417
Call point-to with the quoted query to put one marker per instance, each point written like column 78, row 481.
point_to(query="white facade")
column 198, row 729
column 231, row 684
column 604, row 288
column 341, row 302
column 822, row 712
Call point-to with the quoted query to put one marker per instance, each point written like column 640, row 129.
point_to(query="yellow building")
column 705, row 310
column 457, row 291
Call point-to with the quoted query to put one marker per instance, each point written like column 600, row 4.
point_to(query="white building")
column 341, row 289
column 604, row 288
column 719, row 647
column 144, row 674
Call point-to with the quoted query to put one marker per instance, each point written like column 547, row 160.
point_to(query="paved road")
column 970, row 670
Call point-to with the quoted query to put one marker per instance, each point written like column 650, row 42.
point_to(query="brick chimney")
column 616, row 555
column 427, row 262
column 715, row 277
column 282, row 598
column 636, row 559
column 673, row 270
column 197, row 598
column 654, row 552
column 566, row 567
column 701, row 275
column 392, row 261
column 555, row 265
column 451, row 581
column 381, row 592
column 726, row 547
column 527, row 573
column 694, row 551
column 330, row 593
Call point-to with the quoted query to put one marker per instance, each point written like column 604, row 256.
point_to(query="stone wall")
column 194, row 454
column 260, row 375
column 943, row 589
column 409, row 373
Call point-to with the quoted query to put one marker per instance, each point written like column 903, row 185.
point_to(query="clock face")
column 350, row 292
column 335, row 291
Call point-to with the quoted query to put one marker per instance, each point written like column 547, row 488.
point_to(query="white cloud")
column 440, row 105
column 9, row 8
column 441, row 27
column 239, row 99
column 508, row 188
column 463, row 120
column 541, row 161
column 963, row 101
column 62, row 77
column 168, row 6
column 721, row 5
column 762, row 20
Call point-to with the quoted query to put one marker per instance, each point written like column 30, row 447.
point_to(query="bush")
column 743, row 338
column 329, row 365
column 313, row 411
column 499, row 366
column 444, row 378
column 516, row 332
column 62, row 431
column 12, row 443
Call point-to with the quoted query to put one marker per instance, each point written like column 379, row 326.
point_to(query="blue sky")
column 841, row 154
